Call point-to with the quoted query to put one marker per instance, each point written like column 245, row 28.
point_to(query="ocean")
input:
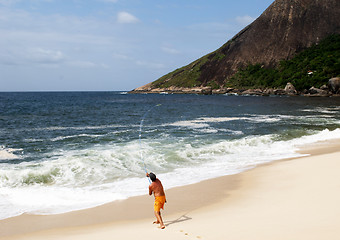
column 65, row 151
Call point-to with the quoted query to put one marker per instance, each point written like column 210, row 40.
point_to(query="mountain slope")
column 284, row 29
column 311, row 67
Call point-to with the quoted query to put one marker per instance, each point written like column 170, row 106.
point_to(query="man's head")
column 152, row 176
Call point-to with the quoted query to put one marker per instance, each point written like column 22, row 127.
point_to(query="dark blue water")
column 62, row 143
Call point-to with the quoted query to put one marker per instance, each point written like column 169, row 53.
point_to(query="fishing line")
column 140, row 136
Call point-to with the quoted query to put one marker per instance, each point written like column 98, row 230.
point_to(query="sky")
column 110, row 45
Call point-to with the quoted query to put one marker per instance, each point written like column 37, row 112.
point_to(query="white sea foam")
column 218, row 119
column 8, row 153
column 230, row 157
column 318, row 136
column 80, row 179
column 33, row 140
column 205, row 122
column 58, row 128
column 208, row 130
column 202, row 124
column 327, row 110
column 60, row 138
column 189, row 124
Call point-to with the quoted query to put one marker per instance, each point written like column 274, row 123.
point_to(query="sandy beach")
column 288, row 199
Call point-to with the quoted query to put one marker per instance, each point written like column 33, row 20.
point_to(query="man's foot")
column 162, row 227
column 155, row 222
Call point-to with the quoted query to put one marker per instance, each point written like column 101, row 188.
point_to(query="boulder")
column 279, row 92
column 252, row 92
column 206, row 91
column 235, row 91
column 334, row 85
column 290, row 89
column 222, row 90
column 313, row 91
column 324, row 87
column 269, row 91
column 219, row 91
column 230, row 89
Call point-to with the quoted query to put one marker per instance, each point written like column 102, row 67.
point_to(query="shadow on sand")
column 182, row 218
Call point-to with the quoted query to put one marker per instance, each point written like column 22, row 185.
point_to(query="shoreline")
column 119, row 215
column 289, row 90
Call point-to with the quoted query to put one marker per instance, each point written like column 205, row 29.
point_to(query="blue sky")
column 107, row 45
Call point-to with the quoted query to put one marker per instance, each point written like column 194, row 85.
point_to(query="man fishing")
column 156, row 188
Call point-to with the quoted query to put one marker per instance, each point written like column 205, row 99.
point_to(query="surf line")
column 140, row 137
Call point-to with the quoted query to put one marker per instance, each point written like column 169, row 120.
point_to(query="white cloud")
column 35, row 56
column 143, row 63
column 44, row 56
column 8, row 2
column 170, row 50
column 125, row 17
column 12, row 2
column 87, row 64
column 244, row 20
column 121, row 56
column 151, row 65
column 83, row 64
column 81, row 46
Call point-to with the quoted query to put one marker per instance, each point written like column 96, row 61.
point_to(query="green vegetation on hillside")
column 183, row 77
column 311, row 67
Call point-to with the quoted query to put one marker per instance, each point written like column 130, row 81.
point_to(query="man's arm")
column 150, row 189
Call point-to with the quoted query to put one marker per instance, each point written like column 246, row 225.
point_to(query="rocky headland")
column 284, row 29
column 331, row 89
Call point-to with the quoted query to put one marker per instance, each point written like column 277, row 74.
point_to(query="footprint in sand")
column 182, row 231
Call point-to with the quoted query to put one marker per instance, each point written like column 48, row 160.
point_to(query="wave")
column 58, row 128
column 205, row 122
column 76, row 179
column 8, row 153
column 60, row 138
column 327, row 110
column 107, row 163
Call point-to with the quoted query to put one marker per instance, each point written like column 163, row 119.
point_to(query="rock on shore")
column 333, row 89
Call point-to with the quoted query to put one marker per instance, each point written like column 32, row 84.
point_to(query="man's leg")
column 159, row 219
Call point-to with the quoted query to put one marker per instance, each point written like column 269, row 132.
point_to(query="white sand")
column 295, row 199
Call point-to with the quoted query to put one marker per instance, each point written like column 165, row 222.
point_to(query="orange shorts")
column 159, row 203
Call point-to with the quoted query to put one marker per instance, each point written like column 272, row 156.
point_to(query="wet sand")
column 288, row 199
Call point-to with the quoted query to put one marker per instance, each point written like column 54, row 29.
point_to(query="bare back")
column 156, row 188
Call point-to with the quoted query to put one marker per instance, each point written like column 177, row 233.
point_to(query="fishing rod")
column 140, row 136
